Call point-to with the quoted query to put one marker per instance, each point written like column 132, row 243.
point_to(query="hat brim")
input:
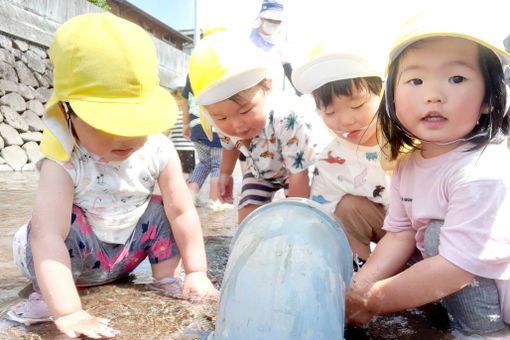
column 272, row 15
column 503, row 56
column 228, row 86
column 329, row 67
column 142, row 118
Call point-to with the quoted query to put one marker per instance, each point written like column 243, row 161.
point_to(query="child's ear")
column 485, row 108
column 269, row 85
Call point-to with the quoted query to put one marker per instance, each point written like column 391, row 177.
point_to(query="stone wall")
column 25, row 86
column 26, row 30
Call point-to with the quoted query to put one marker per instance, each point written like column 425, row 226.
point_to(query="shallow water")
column 140, row 313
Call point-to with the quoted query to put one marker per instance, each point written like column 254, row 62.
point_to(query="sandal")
column 30, row 312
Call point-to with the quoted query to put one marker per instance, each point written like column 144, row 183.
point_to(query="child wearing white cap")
column 95, row 216
column 228, row 76
column 348, row 180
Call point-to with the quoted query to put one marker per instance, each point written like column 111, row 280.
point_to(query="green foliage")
column 101, row 3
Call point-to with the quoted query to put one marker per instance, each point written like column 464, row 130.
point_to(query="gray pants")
column 475, row 309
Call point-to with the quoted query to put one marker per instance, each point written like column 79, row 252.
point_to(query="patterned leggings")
column 94, row 262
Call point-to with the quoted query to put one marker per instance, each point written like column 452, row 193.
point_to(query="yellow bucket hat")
column 107, row 69
column 327, row 63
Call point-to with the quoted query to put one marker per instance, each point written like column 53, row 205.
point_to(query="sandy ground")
column 141, row 313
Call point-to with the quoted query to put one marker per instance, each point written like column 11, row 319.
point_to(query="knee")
column 346, row 208
column 431, row 238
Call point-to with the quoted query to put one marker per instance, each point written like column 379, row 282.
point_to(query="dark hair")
column 324, row 94
column 237, row 98
column 491, row 127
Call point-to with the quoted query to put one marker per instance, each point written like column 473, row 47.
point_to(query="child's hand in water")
column 197, row 286
column 82, row 323
column 356, row 301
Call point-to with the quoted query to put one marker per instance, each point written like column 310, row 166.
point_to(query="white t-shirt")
column 346, row 168
column 470, row 192
column 114, row 195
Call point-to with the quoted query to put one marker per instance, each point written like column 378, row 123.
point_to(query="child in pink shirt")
column 450, row 196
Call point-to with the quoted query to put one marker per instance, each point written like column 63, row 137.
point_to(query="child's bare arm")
column 226, row 183
column 426, row 281
column 299, row 184
column 185, row 224
column 50, row 226
column 228, row 161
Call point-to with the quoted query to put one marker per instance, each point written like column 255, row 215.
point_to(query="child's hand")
column 225, row 188
column 81, row 322
column 356, row 300
column 197, row 286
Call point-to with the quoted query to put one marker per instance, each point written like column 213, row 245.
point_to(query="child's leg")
column 215, row 173
column 254, row 193
column 362, row 221
column 475, row 309
column 161, row 248
column 203, row 168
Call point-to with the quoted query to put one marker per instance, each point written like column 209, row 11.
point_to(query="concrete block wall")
column 26, row 30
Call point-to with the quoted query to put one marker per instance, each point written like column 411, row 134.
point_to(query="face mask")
column 270, row 28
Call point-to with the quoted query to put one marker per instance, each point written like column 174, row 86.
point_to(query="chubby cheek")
column 224, row 127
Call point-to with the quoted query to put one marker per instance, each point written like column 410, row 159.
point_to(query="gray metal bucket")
column 289, row 268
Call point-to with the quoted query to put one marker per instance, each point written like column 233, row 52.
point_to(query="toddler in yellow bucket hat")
column 95, row 216
column 450, row 195
column 228, row 77
column 348, row 182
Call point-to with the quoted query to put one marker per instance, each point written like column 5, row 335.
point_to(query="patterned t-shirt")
column 283, row 147
column 114, row 195
column 346, row 168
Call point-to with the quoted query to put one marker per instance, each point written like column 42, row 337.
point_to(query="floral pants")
column 94, row 262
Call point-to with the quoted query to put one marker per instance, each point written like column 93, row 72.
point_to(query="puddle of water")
column 144, row 314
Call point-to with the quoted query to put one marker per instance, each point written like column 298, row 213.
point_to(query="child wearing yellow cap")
column 450, row 196
column 228, row 77
column 95, row 217
column 348, row 180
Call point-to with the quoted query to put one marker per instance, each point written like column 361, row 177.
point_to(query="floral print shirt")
column 283, row 147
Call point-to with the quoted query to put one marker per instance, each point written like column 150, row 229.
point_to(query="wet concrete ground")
column 140, row 313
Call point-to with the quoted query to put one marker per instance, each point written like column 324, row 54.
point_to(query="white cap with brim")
column 329, row 67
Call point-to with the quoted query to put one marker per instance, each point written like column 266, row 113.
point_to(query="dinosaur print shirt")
column 346, row 168
column 283, row 147
column 114, row 195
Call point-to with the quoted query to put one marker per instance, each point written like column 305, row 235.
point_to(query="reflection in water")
column 144, row 314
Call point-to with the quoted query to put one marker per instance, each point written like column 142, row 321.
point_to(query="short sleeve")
column 476, row 232
column 397, row 219
column 297, row 147
column 226, row 142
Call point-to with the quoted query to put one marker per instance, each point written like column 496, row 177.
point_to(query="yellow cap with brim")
column 107, row 69
column 222, row 65
column 476, row 22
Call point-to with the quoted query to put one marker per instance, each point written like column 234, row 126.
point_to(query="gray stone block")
column 10, row 135
column 12, row 118
column 14, row 101
column 14, row 156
